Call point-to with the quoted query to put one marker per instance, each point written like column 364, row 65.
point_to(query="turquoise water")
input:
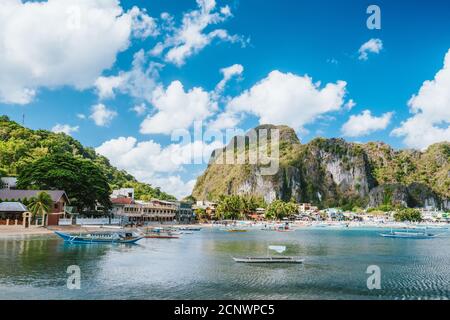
column 200, row 266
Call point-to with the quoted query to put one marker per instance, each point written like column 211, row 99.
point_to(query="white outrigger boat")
column 101, row 237
column 271, row 259
column 280, row 259
column 409, row 235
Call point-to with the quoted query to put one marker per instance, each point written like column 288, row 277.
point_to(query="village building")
column 8, row 182
column 141, row 212
column 185, row 213
column 12, row 213
column 123, row 193
column 59, row 198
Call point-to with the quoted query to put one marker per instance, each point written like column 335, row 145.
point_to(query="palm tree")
column 41, row 205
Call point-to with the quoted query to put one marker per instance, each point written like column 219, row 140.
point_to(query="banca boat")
column 101, row 237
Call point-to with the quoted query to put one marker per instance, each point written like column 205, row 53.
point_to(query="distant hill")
column 333, row 172
column 20, row 146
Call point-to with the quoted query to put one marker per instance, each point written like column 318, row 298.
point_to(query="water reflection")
column 200, row 266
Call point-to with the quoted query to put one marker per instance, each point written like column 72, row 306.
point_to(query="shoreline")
column 14, row 231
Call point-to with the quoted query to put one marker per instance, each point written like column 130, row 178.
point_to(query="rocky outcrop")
column 331, row 172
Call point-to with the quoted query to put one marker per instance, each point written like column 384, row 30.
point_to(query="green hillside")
column 20, row 146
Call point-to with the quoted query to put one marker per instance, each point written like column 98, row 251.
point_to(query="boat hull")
column 406, row 236
column 269, row 260
column 161, row 237
column 78, row 239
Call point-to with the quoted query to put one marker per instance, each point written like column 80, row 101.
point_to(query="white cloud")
column 139, row 82
column 140, row 109
column 152, row 163
column 285, row 98
column 228, row 73
column 101, row 115
column 175, row 186
column 144, row 26
column 350, row 104
column 65, row 128
column 190, row 37
column 177, row 109
column 364, row 124
column 81, row 116
column 225, row 120
column 430, row 109
column 371, row 46
column 56, row 43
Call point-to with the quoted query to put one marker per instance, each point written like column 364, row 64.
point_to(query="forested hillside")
column 20, row 147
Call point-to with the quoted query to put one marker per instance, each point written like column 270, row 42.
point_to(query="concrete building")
column 123, row 193
column 185, row 214
column 8, row 182
column 142, row 213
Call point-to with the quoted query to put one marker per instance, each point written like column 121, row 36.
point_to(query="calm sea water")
column 200, row 266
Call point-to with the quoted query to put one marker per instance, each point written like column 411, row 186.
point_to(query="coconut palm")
column 41, row 205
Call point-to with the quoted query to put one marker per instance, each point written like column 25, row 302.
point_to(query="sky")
column 130, row 78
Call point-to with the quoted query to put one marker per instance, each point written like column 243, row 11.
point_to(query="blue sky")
column 75, row 73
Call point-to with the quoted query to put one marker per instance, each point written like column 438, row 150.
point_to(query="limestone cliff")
column 331, row 172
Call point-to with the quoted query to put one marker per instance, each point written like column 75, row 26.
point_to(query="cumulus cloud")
column 139, row 82
column 364, row 124
column 178, row 109
column 150, row 162
column 140, row 109
column 65, row 128
column 372, row 46
column 101, row 115
column 228, row 73
column 286, row 98
column 430, row 109
column 54, row 43
column 191, row 37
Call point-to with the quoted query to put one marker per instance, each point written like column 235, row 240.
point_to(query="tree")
column 81, row 179
column 408, row 214
column 40, row 205
column 229, row 208
column 277, row 210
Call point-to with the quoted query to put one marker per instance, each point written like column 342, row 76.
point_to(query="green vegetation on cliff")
column 333, row 172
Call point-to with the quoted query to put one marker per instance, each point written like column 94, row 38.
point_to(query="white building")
column 123, row 193
column 9, row 182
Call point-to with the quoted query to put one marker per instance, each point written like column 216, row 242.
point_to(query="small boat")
column 274, row 259
column 408, row 235
column 161, row 236
column 159, row 233
column 237, row 230
column 271, row 259
column 190, row 229
column 100, row 237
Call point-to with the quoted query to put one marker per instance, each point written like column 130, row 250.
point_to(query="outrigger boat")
column 190, row 229
column 408, row 235
column 237, row 230
column 271, row 259
column 101, row 237
column 159, row 233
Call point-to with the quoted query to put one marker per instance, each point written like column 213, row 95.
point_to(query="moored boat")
column 190, row 229
column 408, row 235
column 274, row 259
column 101, row 237
column 237, row 230
column 160, row 233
